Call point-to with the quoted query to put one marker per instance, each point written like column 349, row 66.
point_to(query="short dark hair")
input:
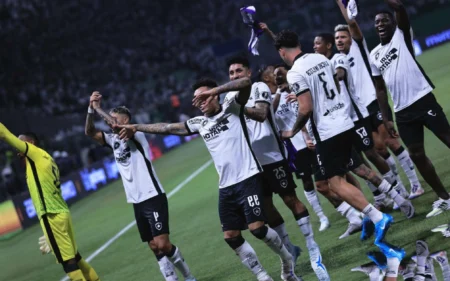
column 32, row 136
column 283, row 65
column 389, row 13
column 327, row 37
column 262, row 68
column 287, row 39
column 204, row 82
column 121, row 110
column 238, row 60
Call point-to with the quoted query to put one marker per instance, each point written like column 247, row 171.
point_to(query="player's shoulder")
column 260, row 90
column 196, row 120
column 339, row 57
column 32, row 149
column 375, row 50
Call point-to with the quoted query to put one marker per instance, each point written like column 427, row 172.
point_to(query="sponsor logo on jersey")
column 257, row 211
column 284, row 108
column 334, row 108
column 387, row 60
column 123, row 156
column 351, row 62
column 194, row 121
column 431, row 113
column 215, row 130
column 265, row 95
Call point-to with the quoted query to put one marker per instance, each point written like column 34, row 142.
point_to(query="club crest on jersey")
column 265, row 95
column 379, row 116
column 351, row 163
column 204, row 122
column 257, row 211
column 283, row 183
column 116, row 145
column 322, row 170
column 158, row 226
column 366, row 141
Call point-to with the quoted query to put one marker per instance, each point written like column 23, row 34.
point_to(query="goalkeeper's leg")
column 88, row 271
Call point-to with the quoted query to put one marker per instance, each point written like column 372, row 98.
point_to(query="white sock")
column 167, row 269
column 374, row 215
column 313, row 200
column 249, row 258
column 306, row 229
column 421, row 260
column 386, row 187
column 390, row 177
column 445, row 267
column 284, row 236
column 392, row 265
column 178, row 261
column 274, row 242
column 392, row 165
column 408, row 167
column 349, row 212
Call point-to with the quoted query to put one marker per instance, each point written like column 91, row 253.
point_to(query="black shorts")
column 304, row 161
column 241, row 204
column 277, row 179
column 319, row 170
column 334, row 154
column 375, row 116
column 152, row 217
column 426, row 112
column 362, row 135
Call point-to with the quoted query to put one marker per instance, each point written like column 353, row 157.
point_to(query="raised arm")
column 400, row 14
column 243, row 85
column 180, row 129
column 12, row 140
column 267, row 30
column 89, row 128
column 355, row 31
column 382, row 98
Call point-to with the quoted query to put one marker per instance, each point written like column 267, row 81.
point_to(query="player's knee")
column 417, row 152
column 235, row 242
column 153, row 246
column 308, row 183
column 290, row 200
column 70, row 265
column 322, row 187
column 260, row 232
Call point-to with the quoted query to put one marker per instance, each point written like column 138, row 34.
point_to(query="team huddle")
column 318, row 116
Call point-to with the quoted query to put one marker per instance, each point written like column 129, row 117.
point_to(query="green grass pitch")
column 195, row 226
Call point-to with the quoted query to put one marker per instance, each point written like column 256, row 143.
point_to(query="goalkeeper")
column 42, row 175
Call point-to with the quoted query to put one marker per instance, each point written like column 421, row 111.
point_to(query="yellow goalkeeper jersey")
column 42, row 175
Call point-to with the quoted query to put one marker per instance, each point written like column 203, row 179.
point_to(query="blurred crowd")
column 142, row 54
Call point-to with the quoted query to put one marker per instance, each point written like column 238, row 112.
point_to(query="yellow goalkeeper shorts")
column 58, row 230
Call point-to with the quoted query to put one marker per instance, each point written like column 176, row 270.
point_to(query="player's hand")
column 94, row 101
column 126, row 131
column 205, row 96
column 391, row 129
column 291, row 97
column 264, row 27
column 43, row 245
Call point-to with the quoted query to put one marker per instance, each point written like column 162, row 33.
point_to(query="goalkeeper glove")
column 43, row 245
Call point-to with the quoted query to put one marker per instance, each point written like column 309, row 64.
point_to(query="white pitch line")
column 131, row 224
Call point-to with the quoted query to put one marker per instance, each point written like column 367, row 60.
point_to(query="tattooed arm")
column 304, row 112
column 259, row 112
column 243, row 85
column 89, row 128
column 179, row 129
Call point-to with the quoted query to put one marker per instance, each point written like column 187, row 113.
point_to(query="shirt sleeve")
column 28, row 149
column 193, row 125
column 108, row 139
column 374, row 68
column 341, row 62
column 297, row 83
column 262, row 93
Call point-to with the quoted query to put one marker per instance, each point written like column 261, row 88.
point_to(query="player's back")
column 331, row 110
column 43, row 182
